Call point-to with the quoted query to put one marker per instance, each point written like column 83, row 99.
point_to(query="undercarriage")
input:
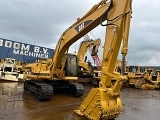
column 44, row 90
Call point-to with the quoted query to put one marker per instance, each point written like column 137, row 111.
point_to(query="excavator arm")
column 104, row 102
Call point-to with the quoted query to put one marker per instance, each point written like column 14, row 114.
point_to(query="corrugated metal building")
column 22, row 51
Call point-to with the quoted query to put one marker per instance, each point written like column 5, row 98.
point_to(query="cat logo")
column 83, row 25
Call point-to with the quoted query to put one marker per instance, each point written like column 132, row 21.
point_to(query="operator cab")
column 71, row 66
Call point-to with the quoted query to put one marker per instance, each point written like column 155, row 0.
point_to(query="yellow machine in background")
column 85, row 68
column 103, row 102
column 140, row 77
column 133, row 73
column 150, row 79
column 118, row 66
column 21, row 66
column 156, row 77
column 117, row 70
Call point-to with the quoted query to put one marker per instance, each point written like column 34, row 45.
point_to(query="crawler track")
column 40, row 90
column 77, row 89
column 43, row 90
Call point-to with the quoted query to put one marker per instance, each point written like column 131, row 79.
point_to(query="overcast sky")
column 42, row 22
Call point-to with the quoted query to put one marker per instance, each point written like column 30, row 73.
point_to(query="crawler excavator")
column 84, row 68
column 103, row 102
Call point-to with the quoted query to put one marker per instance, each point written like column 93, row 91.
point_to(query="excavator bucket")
column 101, row 105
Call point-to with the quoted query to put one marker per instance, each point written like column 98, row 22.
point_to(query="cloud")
column 37, row 21
column 144, row 33
column 42, row 22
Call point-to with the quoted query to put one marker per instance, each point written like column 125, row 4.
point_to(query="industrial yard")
column 15, row 104
column 113, row 74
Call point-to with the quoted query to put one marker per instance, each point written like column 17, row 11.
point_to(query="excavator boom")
column 104, row 102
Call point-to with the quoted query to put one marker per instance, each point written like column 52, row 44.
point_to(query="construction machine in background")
column 137, row 76
column 150, row 79
column 92, row 69
column 140, row 77
column 85, row 68
column 97, row 61
column 133, row 74
column 156, row 77
column 9, row 70
column 30, row 67
column 21, row 66
column 103, row 102
column 117, row 70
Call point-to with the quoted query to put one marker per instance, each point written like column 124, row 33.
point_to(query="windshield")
column 71, row 66
column 72, row 62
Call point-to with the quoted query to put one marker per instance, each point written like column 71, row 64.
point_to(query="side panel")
column 23, row 52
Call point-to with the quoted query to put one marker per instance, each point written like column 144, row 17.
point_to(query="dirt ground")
column 18, row 105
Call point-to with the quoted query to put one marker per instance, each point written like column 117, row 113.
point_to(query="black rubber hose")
column 106, row 13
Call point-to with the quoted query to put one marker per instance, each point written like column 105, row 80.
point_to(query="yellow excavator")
column 85, row 68
column 103, row 102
